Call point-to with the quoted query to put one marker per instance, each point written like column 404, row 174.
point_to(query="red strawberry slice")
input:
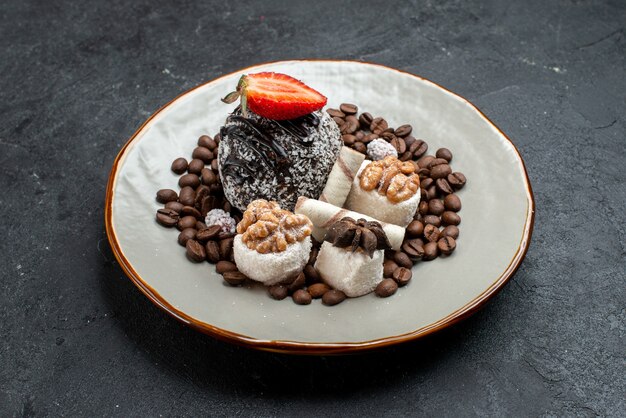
column 276, row 96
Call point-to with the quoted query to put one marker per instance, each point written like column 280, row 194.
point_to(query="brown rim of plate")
column 312, row 348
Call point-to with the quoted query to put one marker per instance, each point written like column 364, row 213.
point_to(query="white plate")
column 497, row 218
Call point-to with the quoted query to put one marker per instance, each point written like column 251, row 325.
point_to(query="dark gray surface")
column 79, row 339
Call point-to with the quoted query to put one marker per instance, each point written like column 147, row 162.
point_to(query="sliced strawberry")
column 276, row 96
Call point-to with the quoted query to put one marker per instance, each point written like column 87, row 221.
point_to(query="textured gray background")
column 77, row 338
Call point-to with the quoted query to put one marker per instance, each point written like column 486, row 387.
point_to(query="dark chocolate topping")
column 367, row 235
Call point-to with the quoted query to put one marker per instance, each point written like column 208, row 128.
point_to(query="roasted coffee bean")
column 431, row 192
column 350, row 125
column 207, row 204
column 207, row 176
column 378, row 125
column 402, row 260
column 399, row 145
column 443, row 186
column 348, row 108
column 422, row 208
column 312, row 275
column 436, row 162
column 195, row 251
column 415, row 229
column 386, row 288
column 359, row 135
column 317, row 290
column 419, row 148
column 366, row 119
column 185, row 235
column 191, row 180
column 388, row 136
column 217, row 138
column 278, row 291
column 207, row 142
column 223, row 266
column 298, row 283
column 211, row 232
column 203, row 154
column 339, row 121
column 444, row 153
column 457, row 180
column 175, row 206
column 348, row 139
column 431, row 233
column 406, row 156
column 369, row 138
column 388, row 130
column 435, row 207
column 187, row 196
column 423, row 195
column 432, row 219
column 224, row 235
column 179, row 165
column 214, row 166
column 431, row 251
column 166, row 195
column 414, row 248
column 186, row 222
column 234, row 278
column 451, row 231
column 425, row 161
column 195, row 166
column 333, row 297
column 450, row 218
column 313, row 256
column 225, row 248
column 335, row 113
column 216, row 188
column 360, row 147
column 424, row 173
column 426, row 183
column 201, row 192
column 440, row 171
column 212, row 251
column 404, row 130
column 388, row 267
column 402, row 276
column 167, row 217
column 452, row 202
column 446, row 245
column 409, row 140
column 301, row 297
column 200, row 226
column 190, row 211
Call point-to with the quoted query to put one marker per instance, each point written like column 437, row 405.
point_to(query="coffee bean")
column 278, row 291
column 415, row 229
column 335, row 113
column 202, row 191
column 450, row 231
column 435, row 207
column 402, row 276
column 217, row 138
column 200, row 226
column 366, row 119
column 404, row 130
column 175, row 206
column 425, row 161
column 388, row 267
column 419, row 148
column 311, row 274
column 317, row 290
column 426, row 183
column 212, row 251
column 301, row 297
column 423, row 195
column 359, row 135
column 431, row 192
column 386, row 288
column 350, row 126
column 186, row 222
column 190, row 211
column 387, row 130
column 431, row 233
column 348, row 108
column 208, row 203
column 298, row 283
column 432, row 220
column 440, row 171
column 406, row 156
column 195, row 166
column 223, row 266
column 348, row 139
column 424, row 173
column 191, row 180
column 214, row 166
column 443, row 186
column 166, row 195
column 422, row 208
column 378, row 125
column 185, row 235
column 313, row 256
column 211, row 232
column 203, row 154
column 444, row 153
column 225, row 248
column 179, row 165
column 414, row 248
column 402, row 260
column 431, row 251
column 369, row 138
column 167, row 217
column 234, row 278
column 452, row 202
column 195, row 251
column 225, row 235
column 339, row 121
column 450, row 218
column 436, row 162
column 187, row 196
column 409, row 140
column 457, row 180
column 446, row 245
column 207, row 142
column 360, row 147
column 388, row 136
column 333, row 297
column 207, row 176
column 399, row 145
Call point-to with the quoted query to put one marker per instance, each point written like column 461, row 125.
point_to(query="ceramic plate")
column 497, row 218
